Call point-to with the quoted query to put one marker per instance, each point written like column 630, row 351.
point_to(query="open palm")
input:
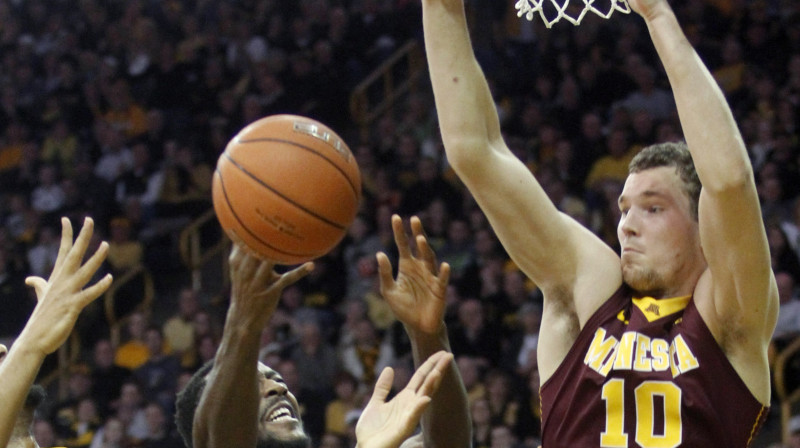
column 387, row 424
column 417, row 296
column 62, row 297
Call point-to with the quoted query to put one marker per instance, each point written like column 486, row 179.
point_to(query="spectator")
column 14, row 295
column 788, row 326
column 315, row 358
column 141, row 182
column 648, row 96
column 44, row 433
column 110, row 435
column 794, row 432
column 48, row 196
column 178, row 329
column 60, row 147
column 71, row 421
column 83, row 429
column 42, row 255
column 186, row 186
column 481, row 423
column 130, row 411
column 133, row 352
column 613, row 166
column 348, row 398
column 159, row 374
column 161, row 432
column 368, row 354
column 474, row 336
column 107, row 378
column 124, row 251
column 524, row 341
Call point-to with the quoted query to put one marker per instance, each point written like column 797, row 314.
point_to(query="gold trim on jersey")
column 654, row 309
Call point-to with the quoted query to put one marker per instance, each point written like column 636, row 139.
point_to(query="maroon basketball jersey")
column 647, row 373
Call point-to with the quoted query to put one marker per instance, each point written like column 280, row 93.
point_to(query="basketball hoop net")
column 529, row 7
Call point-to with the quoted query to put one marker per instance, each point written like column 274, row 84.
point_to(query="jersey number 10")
column 645, row 395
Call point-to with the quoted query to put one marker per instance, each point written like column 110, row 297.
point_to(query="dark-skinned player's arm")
column 417, row 298
column 227, row 414
column 739, row 278
column 60, row 300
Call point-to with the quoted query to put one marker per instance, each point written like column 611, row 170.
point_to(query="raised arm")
column 227, row 414
column 417, row 298
column 525, row 220
column 61, row 298
column 731, row 227
column 740, row 283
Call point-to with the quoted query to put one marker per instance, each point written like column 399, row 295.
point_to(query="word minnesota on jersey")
column 635, row 351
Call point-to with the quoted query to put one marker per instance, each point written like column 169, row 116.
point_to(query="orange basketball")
column 288, row 187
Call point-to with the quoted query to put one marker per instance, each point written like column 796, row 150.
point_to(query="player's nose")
column 271, row 388
column 628, row 224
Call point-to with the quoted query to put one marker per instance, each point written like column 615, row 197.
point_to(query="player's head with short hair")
column 187, row 401
column 279, row 421
column 676, row 155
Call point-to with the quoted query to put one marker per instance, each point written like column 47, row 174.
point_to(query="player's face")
column 279, row 422
column 659, row 238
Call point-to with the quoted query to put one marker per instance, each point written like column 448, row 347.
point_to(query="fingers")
column 384, row 271
column 427, row 255
column 82, row 242
column 243, row 263
column 235, row 256
column 295, row 274
column 416, row 227
column 434, row 378
column 263, row 272
column 38, row 284
column 89, row 294
column 85, row 273
column 433, row 366
column 383, row 385
column 66, row 244
column 400, row 238
column 444, row 273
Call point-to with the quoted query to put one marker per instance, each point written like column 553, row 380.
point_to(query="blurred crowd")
column 118, row 109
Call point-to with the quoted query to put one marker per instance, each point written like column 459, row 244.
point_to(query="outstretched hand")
column 387, row 424
column 255, row 286
column 417, row 296
column 62, row 297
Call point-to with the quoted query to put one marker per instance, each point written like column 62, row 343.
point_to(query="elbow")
column 736, row 179
column 466, row 153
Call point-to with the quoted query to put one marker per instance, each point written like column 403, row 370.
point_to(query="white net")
column 528, row 8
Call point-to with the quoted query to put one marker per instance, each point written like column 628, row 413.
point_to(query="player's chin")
column 640, row 279
column 286, row 434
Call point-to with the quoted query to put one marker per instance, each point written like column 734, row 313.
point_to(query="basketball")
column 287, row 187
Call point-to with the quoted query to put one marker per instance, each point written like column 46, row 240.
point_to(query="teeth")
column 279, row 415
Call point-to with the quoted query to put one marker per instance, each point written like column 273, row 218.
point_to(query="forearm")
column 446, row 422
column 17, row 373
column 227, row 415
column 466, row 110
column 714, row 140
